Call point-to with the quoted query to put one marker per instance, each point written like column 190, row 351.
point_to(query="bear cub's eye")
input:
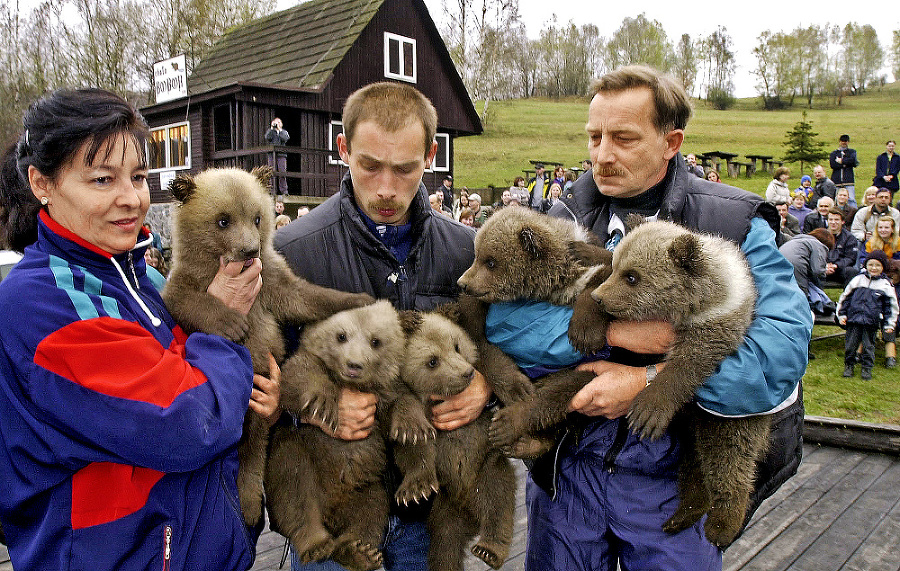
column 375, row 342
column 433, row 363
column 456, row 347
column 631, row 278
column 223, row 221
column 257, row 220
column 490, row 263
column 342, row 337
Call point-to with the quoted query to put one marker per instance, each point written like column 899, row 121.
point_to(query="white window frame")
column 332, row 143
column 402, row 40
column 446, row 167
column 168, row 161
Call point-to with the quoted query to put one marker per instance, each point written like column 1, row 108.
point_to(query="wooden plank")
column 884, row 438
column 816, row 475
column 880, row 552
column 848, row 532
column 814, row 517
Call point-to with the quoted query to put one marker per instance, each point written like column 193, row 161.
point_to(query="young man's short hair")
column 391, row 106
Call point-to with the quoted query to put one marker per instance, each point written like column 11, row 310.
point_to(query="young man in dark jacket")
column 379, row 235
column 843, row 160
column 604, row 490
column 841, row 262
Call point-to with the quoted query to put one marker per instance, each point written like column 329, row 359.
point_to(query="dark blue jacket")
column 887, row 166
column 869, row 301
column 842, row 172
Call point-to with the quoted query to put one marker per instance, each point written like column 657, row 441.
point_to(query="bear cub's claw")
column 650, row 414
column 507, row 427
column 488, row 555
column 407, row 429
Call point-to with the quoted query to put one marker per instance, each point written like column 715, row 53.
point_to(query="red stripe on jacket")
column 120, row 359
column 103, row 492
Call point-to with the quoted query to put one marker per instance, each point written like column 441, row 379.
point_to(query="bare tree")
column 639, row 40
column 685, row 63
column 718, row 57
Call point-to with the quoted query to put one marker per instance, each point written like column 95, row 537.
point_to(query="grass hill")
column 553, row 130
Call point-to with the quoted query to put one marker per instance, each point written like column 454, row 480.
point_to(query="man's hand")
column 645, row 337
column 235, row 288
column 356, row 415
column 449, row 413
column 611, row 391
column 842, row 319
column 830, row 268
column 266, row 393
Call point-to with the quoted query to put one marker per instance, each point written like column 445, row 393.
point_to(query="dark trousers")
column 278, row 164
column 857, row 334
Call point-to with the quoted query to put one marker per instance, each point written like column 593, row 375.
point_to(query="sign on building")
column 170, row 79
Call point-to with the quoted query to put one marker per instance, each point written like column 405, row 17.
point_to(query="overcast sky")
column 744, row 20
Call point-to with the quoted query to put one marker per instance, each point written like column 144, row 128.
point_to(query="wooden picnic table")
column 718, row 156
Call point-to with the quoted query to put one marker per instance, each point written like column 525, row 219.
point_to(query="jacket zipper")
column 167, row 547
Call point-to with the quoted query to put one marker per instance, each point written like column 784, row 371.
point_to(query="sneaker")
column 890, row 363
column 848, row 371
column 866, row 374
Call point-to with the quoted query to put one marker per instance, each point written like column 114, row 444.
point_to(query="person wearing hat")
column 536, row 187
column 842, row 161
column 479, row 212
column 868, row 303
column 447, row 189
column 805, row 187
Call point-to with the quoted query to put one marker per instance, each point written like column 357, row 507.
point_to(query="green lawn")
column 553, row 130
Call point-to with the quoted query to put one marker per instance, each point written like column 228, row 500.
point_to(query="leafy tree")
column 684, row 67
column 802, row 145
column 639, row 40
column 716, row 51
column 862, row 56
column 895, row 55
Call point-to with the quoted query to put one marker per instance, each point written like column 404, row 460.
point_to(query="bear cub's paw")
column 651, row 412
column 587, row 327
column 411, row 429
column 493, row 555
column 358, row 556
column 230, row 324
column 321, row 407
column 508, row 426
column 417, row 487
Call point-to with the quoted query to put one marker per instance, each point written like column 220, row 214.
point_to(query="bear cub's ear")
column 532, row 242
column 634, row 220
column 263, row 174
column 410, row 321
column 687, row 253
column 182, row 187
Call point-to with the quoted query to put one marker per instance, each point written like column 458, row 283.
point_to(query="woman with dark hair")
column 118, row 430
column 778, row 188
column 887, row 167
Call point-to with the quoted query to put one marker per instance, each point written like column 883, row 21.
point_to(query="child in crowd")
column 805, row 187
column 867, row 303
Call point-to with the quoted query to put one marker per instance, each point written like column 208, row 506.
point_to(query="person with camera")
column 277, row 135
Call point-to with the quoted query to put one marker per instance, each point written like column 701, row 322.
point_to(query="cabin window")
column 399, row 57
column 441, row 161
column 169, row 147
column 335, row 128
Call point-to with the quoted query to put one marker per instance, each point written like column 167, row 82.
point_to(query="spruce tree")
column 802, row 145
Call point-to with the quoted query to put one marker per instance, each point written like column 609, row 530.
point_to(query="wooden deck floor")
column 840, row 512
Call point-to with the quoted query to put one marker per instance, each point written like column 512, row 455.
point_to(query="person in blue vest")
column 601, row 497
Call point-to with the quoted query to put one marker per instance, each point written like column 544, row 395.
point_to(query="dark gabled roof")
column 295, row 48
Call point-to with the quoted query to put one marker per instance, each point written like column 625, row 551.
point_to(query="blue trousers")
column 405, row 548
column 605, row 517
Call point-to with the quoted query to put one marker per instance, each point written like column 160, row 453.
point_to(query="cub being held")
column 476, row 482
column 227, row 214
column 522, row 255
column 327, row 495
column 702, row 285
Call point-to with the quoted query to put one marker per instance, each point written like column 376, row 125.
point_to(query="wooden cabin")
column 300, row 65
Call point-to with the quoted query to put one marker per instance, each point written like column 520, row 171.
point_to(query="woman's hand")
column 450, row 413
column 237, row 286
column 266, row 393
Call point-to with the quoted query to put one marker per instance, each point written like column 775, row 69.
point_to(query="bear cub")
column 228, row 214
column 476, row 483
column 325, row 494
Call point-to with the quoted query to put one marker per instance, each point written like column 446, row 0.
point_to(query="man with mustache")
column 379, row 235
column 601, row 497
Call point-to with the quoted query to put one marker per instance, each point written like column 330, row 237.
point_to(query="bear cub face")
column 361, row 347
column 439, row 356
column 232, row 216
column 521, row 254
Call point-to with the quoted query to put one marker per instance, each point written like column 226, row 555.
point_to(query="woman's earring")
column 45, row 201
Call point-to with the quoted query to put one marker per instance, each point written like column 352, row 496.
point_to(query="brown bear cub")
column 228, row 214
column 327, row 495
column 520, row 254
column 702, row 285
column 476, row 482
